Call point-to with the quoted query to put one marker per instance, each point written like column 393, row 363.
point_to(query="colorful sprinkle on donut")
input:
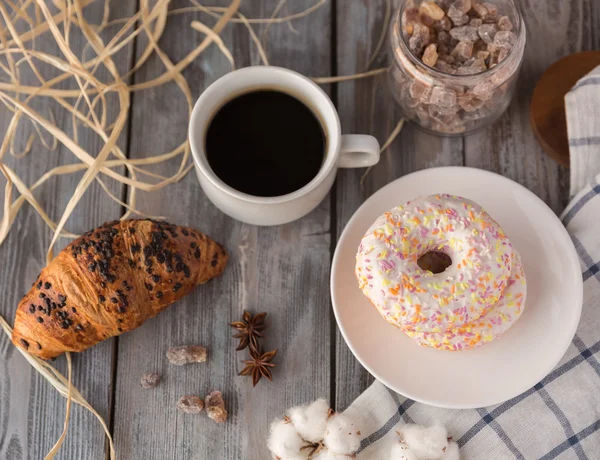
column 473, row 301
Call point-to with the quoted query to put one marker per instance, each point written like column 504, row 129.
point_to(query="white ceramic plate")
column 496, row 371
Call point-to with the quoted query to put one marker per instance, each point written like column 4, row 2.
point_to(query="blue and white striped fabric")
column 559, row 418
column 583, row 124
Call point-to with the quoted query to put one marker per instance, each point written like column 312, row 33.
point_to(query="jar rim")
column 520, row 43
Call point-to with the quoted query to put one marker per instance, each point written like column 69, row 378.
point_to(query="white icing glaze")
column 424, row 304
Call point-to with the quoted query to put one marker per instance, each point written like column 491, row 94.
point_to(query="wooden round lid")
column 548, row 117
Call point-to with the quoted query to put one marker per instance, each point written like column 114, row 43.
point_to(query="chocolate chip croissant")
column 110, row 281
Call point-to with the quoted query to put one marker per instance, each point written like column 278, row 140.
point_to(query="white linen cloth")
column 559, row 418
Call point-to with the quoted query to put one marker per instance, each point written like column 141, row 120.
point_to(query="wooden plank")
column 555, row 29
column 31, row 411
column 281, row 270
column 366, row 106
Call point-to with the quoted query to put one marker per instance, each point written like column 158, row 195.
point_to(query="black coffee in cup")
column 265, row 143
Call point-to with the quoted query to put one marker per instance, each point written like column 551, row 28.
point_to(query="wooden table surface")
column 281, row 270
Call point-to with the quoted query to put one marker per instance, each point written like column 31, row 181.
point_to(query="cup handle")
column 358, row 151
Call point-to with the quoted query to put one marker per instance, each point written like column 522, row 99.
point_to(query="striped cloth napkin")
column 559, row 417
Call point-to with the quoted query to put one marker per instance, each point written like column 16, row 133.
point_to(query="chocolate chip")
column 197, row 253
column 159, row 294
column 101, row 298
column 74, row 310
column 148, row 286
column 193, row 245
column 179, row 267
column 42, row 295
column 47, row 285
column 62, row 298
column 119, row 329
column 213, row 263
column 185, row 232
column 114, row 300
column 24, row 342
column 64, row 325
column 39, row 345
column 122, row 309
column 32, row 308
column 186, row 271
column 177, row 287
column 40, row 319
column 79, row 327
column 40, row 308
column 155, row 278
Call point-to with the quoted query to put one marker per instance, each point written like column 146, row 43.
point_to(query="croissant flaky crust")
column 111, row 280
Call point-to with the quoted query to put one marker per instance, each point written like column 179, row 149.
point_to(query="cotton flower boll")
column 302, row 456
column 322, row 455
column 310, row 420
column 284, row 441
column 452, row 452
column 342, row 436
column 328, row 455
column 426, row 442
column 401, row 451
column 334, row 456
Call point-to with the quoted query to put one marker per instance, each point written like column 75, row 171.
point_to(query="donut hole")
column 434, row 261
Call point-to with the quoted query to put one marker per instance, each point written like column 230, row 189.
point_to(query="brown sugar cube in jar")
column 439, row 46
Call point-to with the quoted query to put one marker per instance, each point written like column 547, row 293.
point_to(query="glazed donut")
column 473, row 301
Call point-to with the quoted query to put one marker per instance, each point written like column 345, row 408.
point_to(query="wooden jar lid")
column 548, row 117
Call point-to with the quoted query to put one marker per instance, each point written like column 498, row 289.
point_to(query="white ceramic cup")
column 348, row 151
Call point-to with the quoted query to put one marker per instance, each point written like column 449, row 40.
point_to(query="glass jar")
column 454, row 99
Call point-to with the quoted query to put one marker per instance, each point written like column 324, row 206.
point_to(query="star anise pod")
column 259, row 366
column 249, row 330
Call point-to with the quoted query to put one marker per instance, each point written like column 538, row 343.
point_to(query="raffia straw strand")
column 200, row 27
column 88, row 106
column 261, row 51
column 255, row 39
column 384, row 29
column 392, row 136
column 384, row 148
column 60, row 383
column 63, row 435
column 370, row 73
column 214, row 10
column 167, row 76
column 265, row 33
